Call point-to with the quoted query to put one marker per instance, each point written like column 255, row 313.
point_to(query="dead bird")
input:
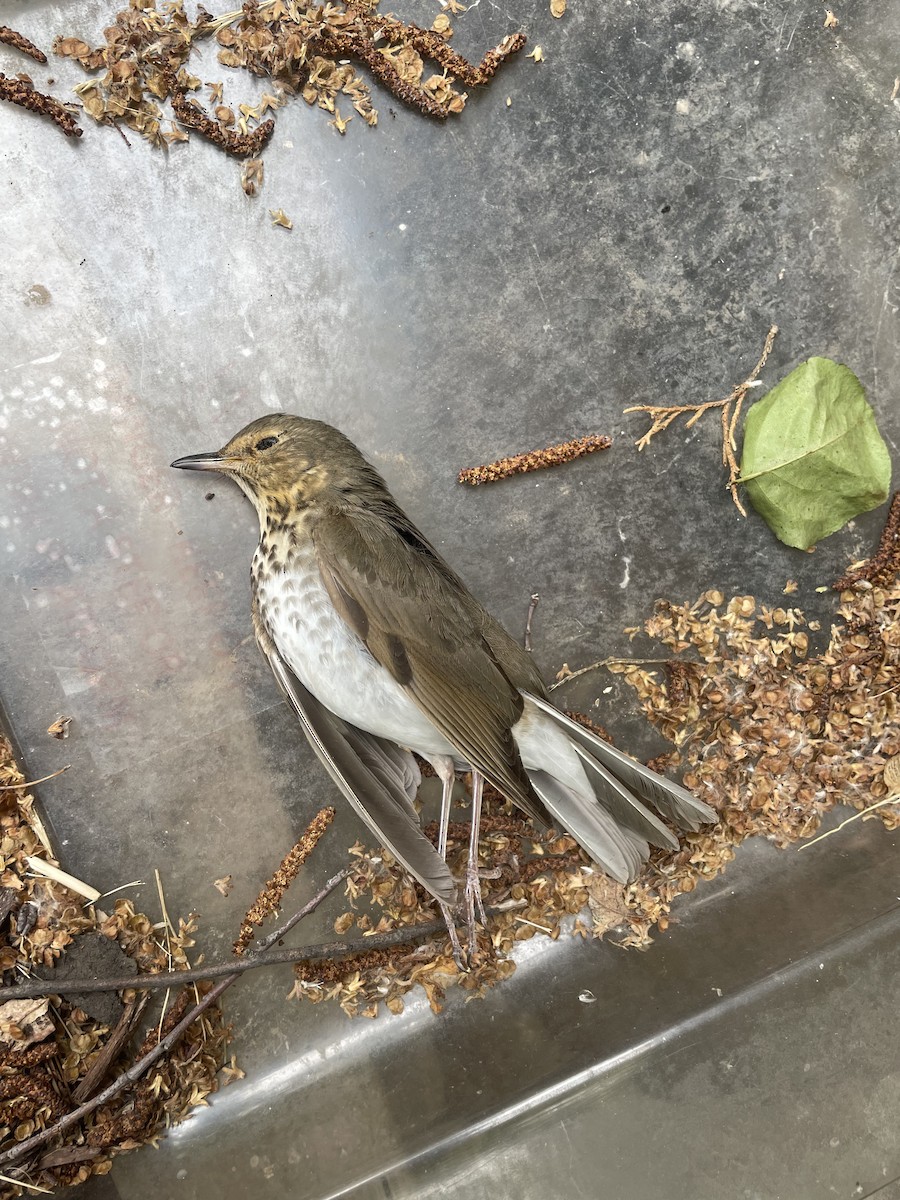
column 381, row 650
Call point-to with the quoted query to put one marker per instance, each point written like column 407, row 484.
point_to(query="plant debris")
column 301, row 48
column 49, row 1049
column 60, row 728
column 280, row 217
column 662, row 415
column 23, row 93
column 813, row 457
column 534, row 460
column 9, row 37
column 252, row 173
column 769, row 735
column 271, row 896
column 884, row 565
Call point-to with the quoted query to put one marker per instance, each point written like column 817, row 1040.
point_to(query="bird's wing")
column 371, row 776
column 419, row 622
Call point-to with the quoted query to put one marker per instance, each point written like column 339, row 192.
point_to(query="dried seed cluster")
column 300, row 48
column 534, row 460
column 23, row 93
column 271, row 896
column 39, row 1082
column 767, row 734
column 9, row 37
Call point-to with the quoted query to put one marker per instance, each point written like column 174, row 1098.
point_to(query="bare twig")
column 17, row 787
column 532, row 605
column 662, row 416
column 128, row 1021
column 892, row 799
column 320, row 952
column 606, row 662
column 51, row 871
column 139, row 1068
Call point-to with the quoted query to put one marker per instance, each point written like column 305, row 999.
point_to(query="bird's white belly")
column 332, row 661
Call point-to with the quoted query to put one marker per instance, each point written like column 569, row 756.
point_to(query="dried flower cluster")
column 770, row 736
column 272, row 894
column 534, row 460
column 49, row 1053
column 23, row 93
column 301, row 49
column 9, row 37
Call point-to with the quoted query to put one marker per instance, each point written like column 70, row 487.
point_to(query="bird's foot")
column 447, row 914
column 473, row 904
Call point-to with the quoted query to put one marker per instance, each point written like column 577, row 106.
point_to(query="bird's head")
column 283, row 463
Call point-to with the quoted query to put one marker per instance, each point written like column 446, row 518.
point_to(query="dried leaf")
column 813, row 457
column 252, row 173
column 891, row 776
column 280, row 217
column 339, row 123
column 60, row 727
column 24, row 1022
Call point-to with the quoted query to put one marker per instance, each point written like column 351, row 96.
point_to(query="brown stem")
column 661, row 417
column 16, row 787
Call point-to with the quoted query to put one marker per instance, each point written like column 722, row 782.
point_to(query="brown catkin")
column 9, row 37
column 534, row 460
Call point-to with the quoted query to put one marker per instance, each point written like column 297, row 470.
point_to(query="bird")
column 383, row 653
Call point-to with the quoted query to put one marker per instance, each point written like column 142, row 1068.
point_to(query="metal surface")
column 672, row 180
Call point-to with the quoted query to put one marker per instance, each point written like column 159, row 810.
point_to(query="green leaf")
column 813, row 457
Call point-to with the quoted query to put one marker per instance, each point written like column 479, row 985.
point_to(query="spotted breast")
column 325, row 653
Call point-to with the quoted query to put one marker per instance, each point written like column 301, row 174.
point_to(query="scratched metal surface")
column 674, row 178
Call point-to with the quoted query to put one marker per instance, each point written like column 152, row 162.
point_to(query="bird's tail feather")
column 618, row 850
column 624, row 807
column 669, row 799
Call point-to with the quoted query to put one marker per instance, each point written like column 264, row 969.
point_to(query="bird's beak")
column 214, row 461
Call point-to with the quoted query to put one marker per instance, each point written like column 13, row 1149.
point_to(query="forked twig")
column 662, row 416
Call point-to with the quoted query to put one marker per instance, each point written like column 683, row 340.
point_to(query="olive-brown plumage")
column 382, row 650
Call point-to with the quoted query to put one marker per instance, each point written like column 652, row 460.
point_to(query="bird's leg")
column 473, row 883
column 443, row 765
column 444, row 768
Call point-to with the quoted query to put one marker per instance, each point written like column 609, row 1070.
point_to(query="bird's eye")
column 266, row 443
